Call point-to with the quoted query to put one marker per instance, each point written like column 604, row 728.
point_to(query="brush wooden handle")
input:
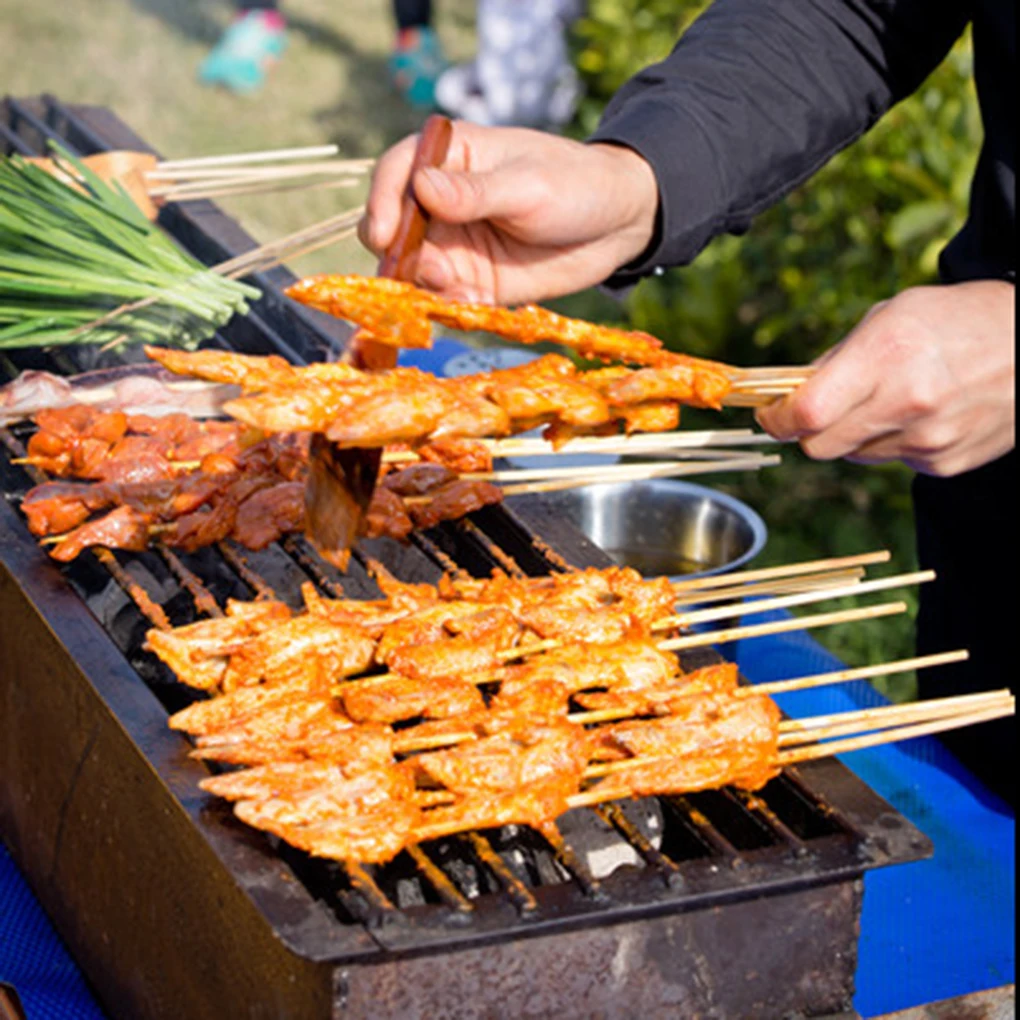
column 401, row 259
column 341, row 481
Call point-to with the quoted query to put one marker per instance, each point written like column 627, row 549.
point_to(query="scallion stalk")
column 70, row 256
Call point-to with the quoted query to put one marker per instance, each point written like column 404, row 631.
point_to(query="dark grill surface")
column 809, row 827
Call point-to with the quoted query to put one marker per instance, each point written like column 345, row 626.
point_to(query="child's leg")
column 417, row 60
column 248, row 48
column 412, row 13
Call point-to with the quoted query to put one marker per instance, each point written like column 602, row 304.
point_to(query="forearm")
column 759, row 94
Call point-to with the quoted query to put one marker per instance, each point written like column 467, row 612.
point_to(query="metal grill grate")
column 680, row 852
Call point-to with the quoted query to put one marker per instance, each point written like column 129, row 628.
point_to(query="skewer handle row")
column 799, row 599
column 901, row 733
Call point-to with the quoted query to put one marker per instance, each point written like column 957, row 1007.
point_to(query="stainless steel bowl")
column 666, row 526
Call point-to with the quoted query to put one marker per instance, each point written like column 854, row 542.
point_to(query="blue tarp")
column 32, row 957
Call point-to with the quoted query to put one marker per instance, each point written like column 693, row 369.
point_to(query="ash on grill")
column 719, row 904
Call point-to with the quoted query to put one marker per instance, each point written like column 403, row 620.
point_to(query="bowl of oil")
column 664, row 526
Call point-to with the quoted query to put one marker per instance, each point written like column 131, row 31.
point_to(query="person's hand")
column 926, row 378
column 518, row 215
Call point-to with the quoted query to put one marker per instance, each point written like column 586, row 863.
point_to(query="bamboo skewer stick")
column 674, row 644
column 799, row 683
column 224, row 182
column 154, row 529
column 243, row 158
column 749, row 399
column 605, row 472
column 749, row 581
column 966, row 708
column 861, row 673
column 252, row 174
column 323, row 242
column 811, row 752
column 624, row 444
column 802, row 581
column 643, row 444
column 808, row 582
column 695, row 453
column 794, row 732
column 760, row 392
column 792, row 379
column 751, row 388
column 281, row 249
column 562, row 479
column 672, row 470
column 788, row 686
column 409, row 744
column 883, row 719
column 766, row 374
column 772, row 386
column 270, row 176
column 715, row 637
column 764, row 371
column 184, row 190
column 251, row 188
column 788, row 601
column 781, row 687
column 186, row 177
column 786, row 570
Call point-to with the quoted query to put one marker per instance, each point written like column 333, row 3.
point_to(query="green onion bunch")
column 86, row 267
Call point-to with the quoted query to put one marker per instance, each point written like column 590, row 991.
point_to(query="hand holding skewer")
column 927, row 378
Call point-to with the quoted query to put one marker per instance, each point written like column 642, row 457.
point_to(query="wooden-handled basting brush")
column 341, row 481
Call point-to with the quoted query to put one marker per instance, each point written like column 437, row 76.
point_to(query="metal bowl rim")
column 759, row 530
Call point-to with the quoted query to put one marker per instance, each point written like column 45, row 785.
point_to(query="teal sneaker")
column 416, row 65
column 241, row 59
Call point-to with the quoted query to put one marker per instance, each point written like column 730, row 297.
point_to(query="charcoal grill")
column 742, row 906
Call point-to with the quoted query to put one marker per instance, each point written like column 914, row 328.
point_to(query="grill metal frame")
column 93, row 783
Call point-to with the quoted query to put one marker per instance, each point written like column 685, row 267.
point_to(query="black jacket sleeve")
column 758, row 94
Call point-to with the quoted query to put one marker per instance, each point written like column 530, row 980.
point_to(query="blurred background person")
column 257, row 39
column 522, row 74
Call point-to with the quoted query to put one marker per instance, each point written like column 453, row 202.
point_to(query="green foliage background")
column 869, row 224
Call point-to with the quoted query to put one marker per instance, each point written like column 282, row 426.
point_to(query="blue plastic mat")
column 435, row 358
column 32, row 957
